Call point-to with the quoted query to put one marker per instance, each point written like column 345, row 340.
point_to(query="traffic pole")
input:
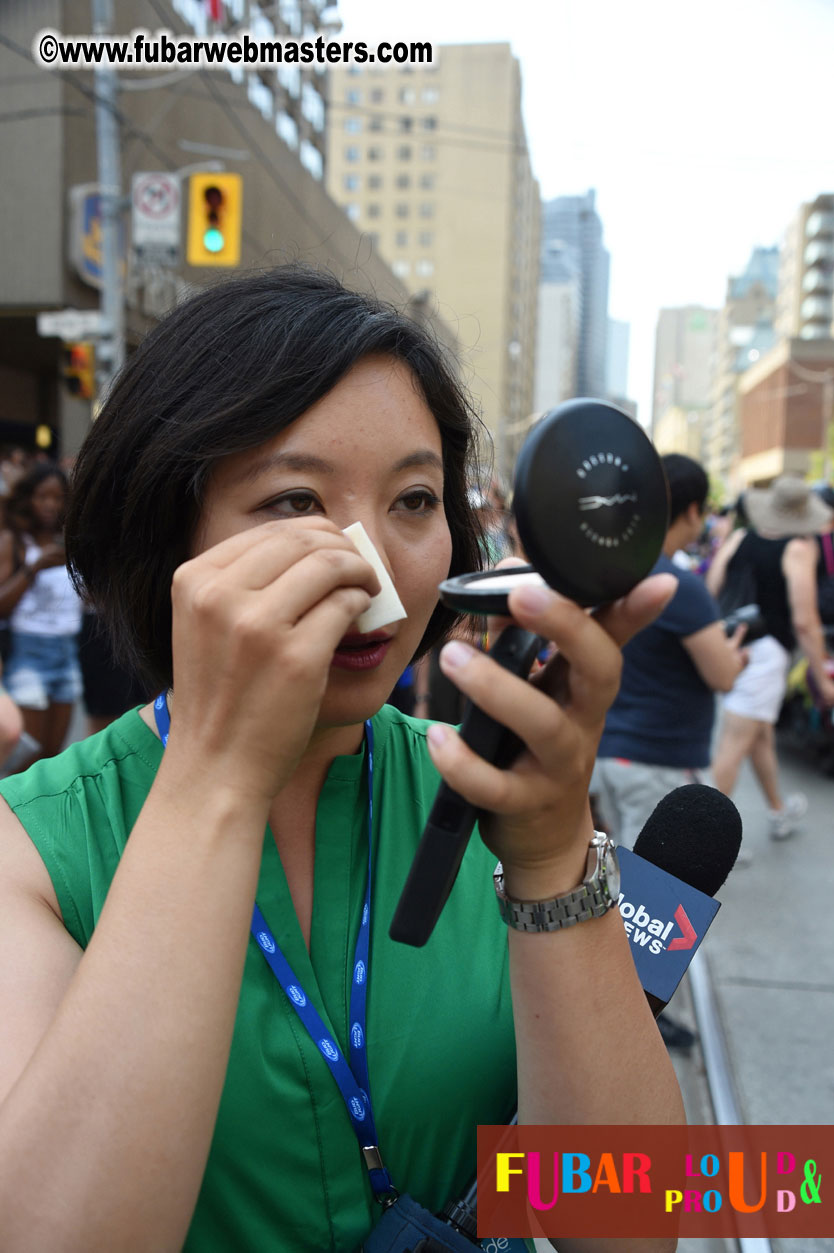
column 110, row 349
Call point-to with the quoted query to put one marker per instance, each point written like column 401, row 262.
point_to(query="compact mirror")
column 591, row 505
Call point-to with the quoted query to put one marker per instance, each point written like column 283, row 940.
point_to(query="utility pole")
column 110, row 349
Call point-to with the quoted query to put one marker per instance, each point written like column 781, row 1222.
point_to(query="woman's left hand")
column 537, row 817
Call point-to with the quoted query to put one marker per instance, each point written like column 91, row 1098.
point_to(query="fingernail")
column 456, row 655
column 533, row 599
column 437, row 734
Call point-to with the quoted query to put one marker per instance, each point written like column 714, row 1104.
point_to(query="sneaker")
column 675, row 1034
column 784, row 821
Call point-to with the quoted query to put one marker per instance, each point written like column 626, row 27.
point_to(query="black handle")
column 449, row 826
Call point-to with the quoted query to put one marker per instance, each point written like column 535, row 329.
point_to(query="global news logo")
column 653, row 934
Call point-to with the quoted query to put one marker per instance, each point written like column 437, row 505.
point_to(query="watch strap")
column 591, row 899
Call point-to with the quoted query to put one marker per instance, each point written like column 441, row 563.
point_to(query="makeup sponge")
column 386, row 606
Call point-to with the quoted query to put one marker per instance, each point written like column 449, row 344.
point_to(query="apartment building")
column 806, row 278
column 431, row 164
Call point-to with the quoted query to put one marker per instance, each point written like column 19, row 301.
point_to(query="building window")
column 401, row 239
column 424, row 268
column 401, row 209
column 373, row 238
column 426, row 209
column 287, row 128
column 377, row 95
column 428, row 152
column 374, row 182
column 375, row 123
column 406, row 123
column 429, row 123
column 352, row 210
column 427, row 182
column 402, row 269
column 312, row 106
column 404, row 152
column 353, row 96
column 429, row 95
column 426, row 239
column 353, row 125
column 373, row 210
column 351, row 154
column 374, row 154
column 403, row 181
column 352, row 182
column 407, row 95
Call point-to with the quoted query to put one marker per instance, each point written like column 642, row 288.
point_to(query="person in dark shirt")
column 658, row 731
column 779, row 552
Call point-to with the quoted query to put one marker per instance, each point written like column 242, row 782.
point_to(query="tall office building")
column 685, row 346
column 431, row 163
column 745, row 333
column 573, row 223
column 616, row 375
column 560, row 310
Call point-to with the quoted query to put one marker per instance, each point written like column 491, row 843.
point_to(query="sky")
column 702, row 126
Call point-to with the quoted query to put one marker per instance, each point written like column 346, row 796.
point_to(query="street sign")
column 85, row 234
column 71, row 324
column 155, row 217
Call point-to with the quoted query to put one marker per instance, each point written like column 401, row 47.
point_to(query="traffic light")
column 80, row 370
column 215, row 213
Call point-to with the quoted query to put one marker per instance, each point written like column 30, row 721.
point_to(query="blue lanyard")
column 351, row 1076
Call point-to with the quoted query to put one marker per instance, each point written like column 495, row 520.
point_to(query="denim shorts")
column 43, row 669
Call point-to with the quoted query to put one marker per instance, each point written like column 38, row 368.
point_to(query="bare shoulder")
column 21, row 867
column 38, row 956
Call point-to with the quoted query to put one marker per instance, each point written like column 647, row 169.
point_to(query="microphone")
column 685, row 851
column 683, row 855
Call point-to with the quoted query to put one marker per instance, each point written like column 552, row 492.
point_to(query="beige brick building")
column 786, row 403
column 431, row 164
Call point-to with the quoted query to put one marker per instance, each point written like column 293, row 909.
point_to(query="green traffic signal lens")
column 213, row 240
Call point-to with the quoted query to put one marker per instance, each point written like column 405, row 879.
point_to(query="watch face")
column 612, row 872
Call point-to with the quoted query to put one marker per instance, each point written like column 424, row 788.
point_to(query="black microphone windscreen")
column 694, row 834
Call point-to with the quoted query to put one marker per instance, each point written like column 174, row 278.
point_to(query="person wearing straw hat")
column 778, row 553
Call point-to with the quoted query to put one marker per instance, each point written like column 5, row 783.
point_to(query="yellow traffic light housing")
column 80, row 370
column 215, row 217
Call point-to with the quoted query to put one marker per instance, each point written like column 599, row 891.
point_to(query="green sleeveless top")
column 285, row 1172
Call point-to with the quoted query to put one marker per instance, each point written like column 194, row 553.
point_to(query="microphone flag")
column 665, row 920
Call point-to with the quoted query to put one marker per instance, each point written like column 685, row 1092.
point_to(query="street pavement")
column 770, row 956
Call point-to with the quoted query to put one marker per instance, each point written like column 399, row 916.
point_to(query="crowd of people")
column 152, row 1069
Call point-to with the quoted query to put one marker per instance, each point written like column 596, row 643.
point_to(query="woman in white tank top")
column 36, row 594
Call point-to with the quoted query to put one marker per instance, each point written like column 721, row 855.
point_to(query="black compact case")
column 592, row 508
column 591, row 505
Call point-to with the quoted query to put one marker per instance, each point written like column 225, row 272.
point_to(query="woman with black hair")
column 164, row 1061
column 42, row 673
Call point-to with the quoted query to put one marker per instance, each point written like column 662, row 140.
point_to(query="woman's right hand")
column 256, row 621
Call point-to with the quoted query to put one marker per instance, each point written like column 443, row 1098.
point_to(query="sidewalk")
column 770, row 954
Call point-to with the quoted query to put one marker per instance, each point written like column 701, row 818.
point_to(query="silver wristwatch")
column 597, row 893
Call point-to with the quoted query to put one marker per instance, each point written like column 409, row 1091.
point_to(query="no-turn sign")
column 155, row 199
